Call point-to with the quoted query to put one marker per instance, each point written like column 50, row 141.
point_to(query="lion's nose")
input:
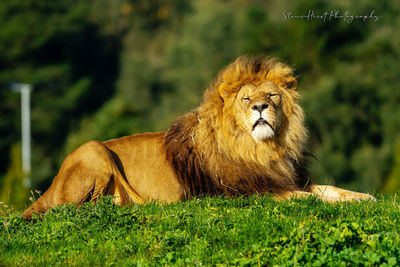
column 260, row 107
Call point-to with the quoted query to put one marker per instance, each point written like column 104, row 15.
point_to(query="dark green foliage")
column 55, row 47
column 209, row 231
column 104, row 69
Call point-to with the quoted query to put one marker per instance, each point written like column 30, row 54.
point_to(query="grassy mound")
column 207, row 231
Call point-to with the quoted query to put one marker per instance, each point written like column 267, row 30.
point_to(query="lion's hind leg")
column 84, row 175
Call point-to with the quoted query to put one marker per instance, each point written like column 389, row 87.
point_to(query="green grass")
column 210, row 231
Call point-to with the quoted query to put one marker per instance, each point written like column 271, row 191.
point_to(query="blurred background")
column 107, row 68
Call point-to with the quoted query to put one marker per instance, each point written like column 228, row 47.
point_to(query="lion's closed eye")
column 273, row 95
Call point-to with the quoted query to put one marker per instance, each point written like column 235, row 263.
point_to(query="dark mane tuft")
column 181, row 153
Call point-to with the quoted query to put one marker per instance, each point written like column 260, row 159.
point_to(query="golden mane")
column 210, row 154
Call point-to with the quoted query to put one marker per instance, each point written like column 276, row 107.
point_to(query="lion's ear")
column 226, row 91
column 290, row 82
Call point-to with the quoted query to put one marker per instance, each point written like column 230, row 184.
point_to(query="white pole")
column 26, row 133
column 25, row 90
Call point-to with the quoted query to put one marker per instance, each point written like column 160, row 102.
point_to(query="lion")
column 247, row 137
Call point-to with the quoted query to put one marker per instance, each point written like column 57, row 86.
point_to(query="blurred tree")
column 392, row 184
column 103, row 69
column 13, row 190
column 54, row 46
column 141, row 85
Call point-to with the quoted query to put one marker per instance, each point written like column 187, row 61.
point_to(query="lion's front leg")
column 334, row 194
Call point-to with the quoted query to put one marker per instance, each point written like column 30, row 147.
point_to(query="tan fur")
column 246, row 137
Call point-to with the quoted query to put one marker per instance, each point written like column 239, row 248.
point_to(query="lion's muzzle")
column 262, row 130
column 262, row 121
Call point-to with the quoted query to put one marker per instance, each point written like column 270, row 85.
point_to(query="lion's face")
column 259, row 110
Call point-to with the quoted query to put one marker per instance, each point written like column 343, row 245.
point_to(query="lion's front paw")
column 334, row 194
column 355, row 196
